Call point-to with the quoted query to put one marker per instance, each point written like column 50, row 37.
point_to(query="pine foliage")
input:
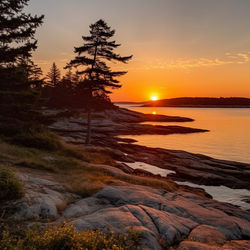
column 54, row 75
column 92, row 57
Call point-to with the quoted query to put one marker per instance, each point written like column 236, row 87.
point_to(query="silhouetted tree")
column 17, row 41
column 54, row 75
column 19, row 102
column 68, row 76
column 91, row 59
column 33, row 73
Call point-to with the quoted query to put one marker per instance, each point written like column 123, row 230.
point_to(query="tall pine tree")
column 19, row 102
column 91, row 63
column 17, row 42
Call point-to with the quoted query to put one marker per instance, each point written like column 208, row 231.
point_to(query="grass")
column 66, row 237
column 72, row 167
column 10, row 187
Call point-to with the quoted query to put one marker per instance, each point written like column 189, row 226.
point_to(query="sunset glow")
column 177, row 48
column 154, row 98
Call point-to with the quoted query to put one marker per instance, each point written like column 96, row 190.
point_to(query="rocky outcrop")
column 170, row 217
column 196, row 168
column 43, row 199
column 126, row 115
column 109, row 128
column 180, row 219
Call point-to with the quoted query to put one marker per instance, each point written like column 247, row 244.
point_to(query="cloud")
column 42, row 62
column 184, row 63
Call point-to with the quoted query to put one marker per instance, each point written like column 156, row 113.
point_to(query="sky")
column 179, row 47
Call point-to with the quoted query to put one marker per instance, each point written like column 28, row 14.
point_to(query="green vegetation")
column 38, row 137
column 67, row 238
column 10, row 187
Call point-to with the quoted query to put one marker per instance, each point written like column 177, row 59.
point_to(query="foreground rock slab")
column 168, row 218
column 180, row 219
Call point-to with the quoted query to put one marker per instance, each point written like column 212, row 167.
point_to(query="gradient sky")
column 180, row 47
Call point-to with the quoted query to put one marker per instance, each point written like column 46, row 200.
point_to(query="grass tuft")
column 10, row 187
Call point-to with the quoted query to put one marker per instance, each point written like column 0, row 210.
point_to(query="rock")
column 195, row 168
column 237, row 245
column 160, row 215
column 42, row 199
column 139, row 171
column 126, row 115
column 83, row 207
column 49, row 158
column 192, row 245
column 149, row 220
column 124, row 168
column 207, row 234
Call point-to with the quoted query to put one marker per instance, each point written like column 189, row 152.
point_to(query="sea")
column 228, row 137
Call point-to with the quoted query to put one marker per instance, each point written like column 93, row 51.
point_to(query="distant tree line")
column 201, row 101
column 69, row 91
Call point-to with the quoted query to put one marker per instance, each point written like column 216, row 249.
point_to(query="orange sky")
column 180, row 48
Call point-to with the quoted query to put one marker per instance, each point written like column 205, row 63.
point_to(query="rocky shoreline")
column 184, row 218
column 196, row 168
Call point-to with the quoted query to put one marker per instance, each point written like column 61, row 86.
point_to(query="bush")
column 38, row 139
column 10, row 187
column 32, row 135
column 67, row 238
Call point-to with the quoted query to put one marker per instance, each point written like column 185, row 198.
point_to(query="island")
column 201, row 102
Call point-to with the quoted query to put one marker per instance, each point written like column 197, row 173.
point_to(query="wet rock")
column 139, row 171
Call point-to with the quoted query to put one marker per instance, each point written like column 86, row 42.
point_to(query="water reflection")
column 229, row 136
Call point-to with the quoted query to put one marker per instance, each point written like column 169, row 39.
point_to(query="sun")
column 154, row 98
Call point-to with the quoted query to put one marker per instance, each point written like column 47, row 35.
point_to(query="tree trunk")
column 88, row 135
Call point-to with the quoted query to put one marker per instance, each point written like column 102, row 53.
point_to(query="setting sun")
column 154, row 98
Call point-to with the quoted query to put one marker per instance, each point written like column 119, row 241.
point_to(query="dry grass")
column 72, row 167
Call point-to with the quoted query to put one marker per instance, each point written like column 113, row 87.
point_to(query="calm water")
column 229, row 136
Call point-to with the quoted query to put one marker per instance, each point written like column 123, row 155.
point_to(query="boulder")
column 207, row 234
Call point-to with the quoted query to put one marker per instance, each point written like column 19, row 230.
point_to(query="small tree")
column 54, row 75
column 91, row 59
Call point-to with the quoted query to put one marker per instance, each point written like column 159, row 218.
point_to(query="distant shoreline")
column 181, row 106
column 201, row 102
column 198, row 106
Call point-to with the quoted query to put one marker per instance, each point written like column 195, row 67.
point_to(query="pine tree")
column 91, row 59
column 19, row 101
column 54, row 75
column 68, row 76
column 17, row 42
